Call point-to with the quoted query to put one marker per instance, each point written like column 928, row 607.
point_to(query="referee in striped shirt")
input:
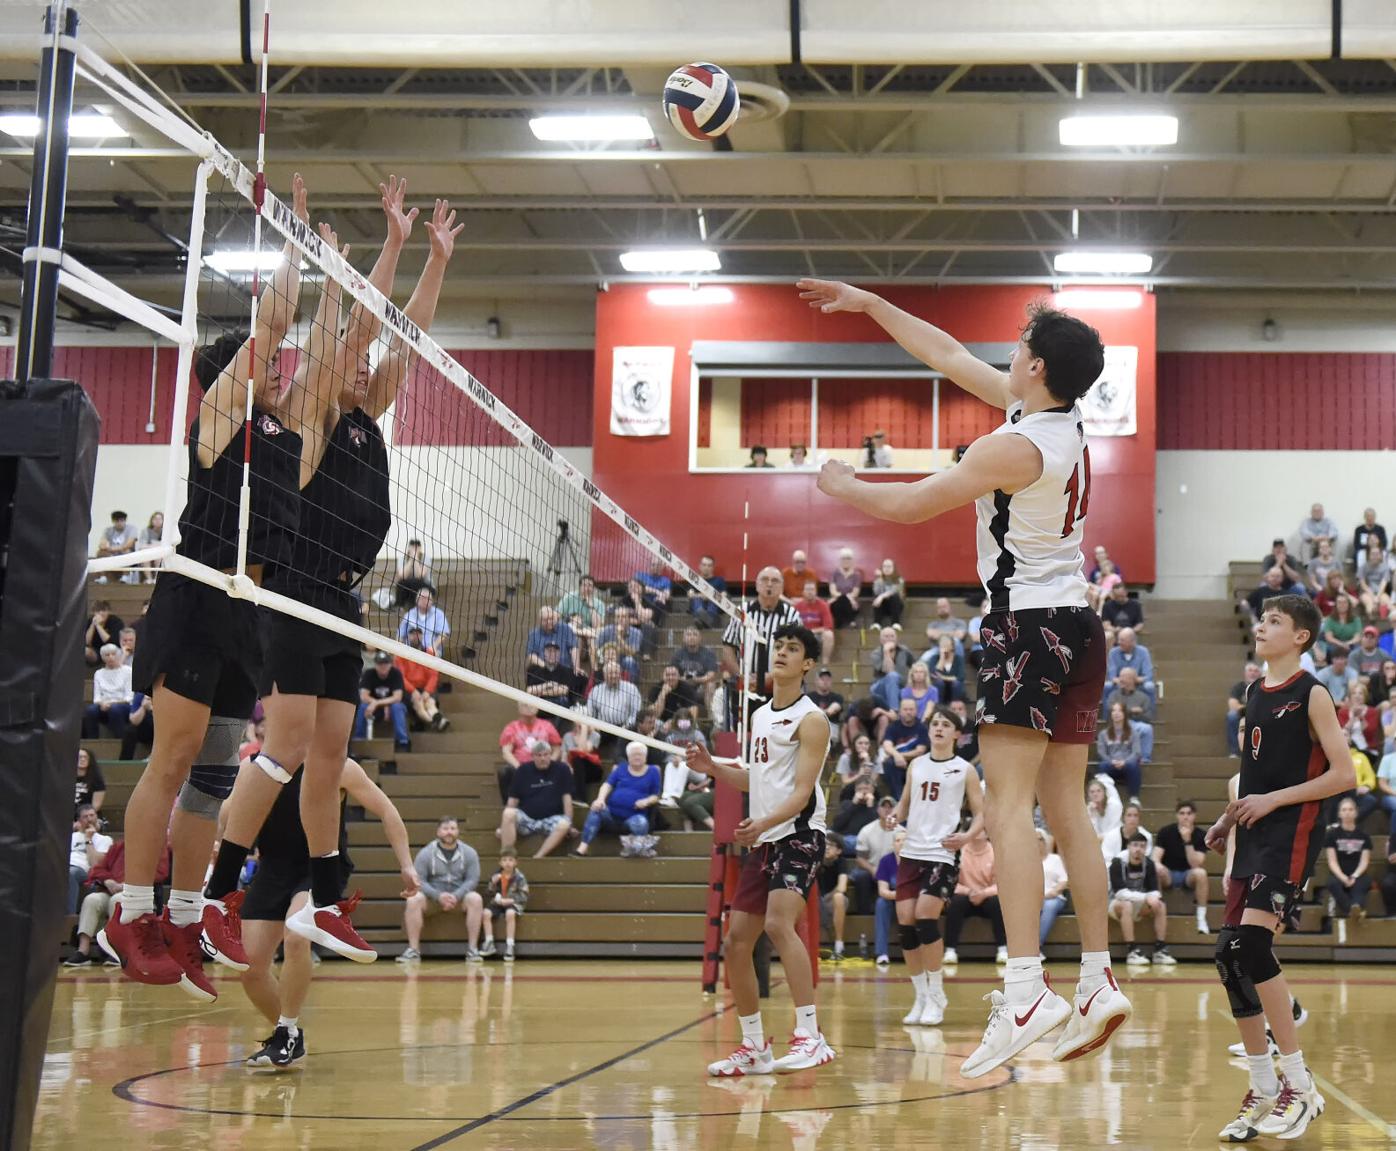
column 764, row 615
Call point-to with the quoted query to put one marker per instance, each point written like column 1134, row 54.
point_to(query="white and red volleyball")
column 701, row 101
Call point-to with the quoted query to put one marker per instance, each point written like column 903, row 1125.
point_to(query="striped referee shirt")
column 765, row 625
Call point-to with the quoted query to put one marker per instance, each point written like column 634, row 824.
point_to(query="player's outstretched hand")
column 746, row 833
column 394, row 194
column 1217, row 835
column 443, row 230
column 1251, row 810
column 834, row 478
column 411, row 881
column 834, row 296
column 298, row 199
column 699, row 759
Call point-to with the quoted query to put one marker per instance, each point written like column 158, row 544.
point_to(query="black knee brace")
column 1240, row 990
column 910, row 940
column 928, row 931
column 1257, row 949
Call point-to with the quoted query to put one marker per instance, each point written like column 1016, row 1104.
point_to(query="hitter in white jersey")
column 1044, row 649
column 937, row 787
column 786, row 833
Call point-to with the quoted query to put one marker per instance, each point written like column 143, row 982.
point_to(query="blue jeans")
column 1233, row 731
column 887, row 691
column 1051, row 907
column 894, row 777
column 603, row 820
column 1388, row 805
column 1131, row 774
column 399, row 713
column 883, row 918
column 117, row 717
column 77, row 876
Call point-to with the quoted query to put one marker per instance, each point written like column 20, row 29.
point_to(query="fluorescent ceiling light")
column 634, row 127
column 1142, row 131
column 671, row 260
column 1088, row 300
column 1104, row 263
column 690, row 297
column 243, row 260
column 81, row 126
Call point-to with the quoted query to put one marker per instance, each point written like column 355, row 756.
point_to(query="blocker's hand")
column 835, row 477
column 834, row 296
column 298, row 202
column 394, row 195
column 443, row 230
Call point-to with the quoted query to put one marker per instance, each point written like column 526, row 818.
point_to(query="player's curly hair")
column 1071, row 349
column 808, row 640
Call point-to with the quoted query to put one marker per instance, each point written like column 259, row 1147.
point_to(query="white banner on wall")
column 1110, row 406
column 641, row 389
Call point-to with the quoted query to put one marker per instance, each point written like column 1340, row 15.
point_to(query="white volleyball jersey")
column 1030, row 542
column 937, row 789
column 775, row 747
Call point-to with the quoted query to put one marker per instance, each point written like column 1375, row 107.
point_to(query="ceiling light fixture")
column 242, row 260
column 1152, row 131
column 1104, row 263
column 81, row 126
column 694, row 297
column 670, row 260
column 583, row 128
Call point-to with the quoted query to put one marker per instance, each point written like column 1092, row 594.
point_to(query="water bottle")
column 863, row 945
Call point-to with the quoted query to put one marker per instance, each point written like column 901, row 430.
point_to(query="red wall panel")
column 775, row 412
column 1276, row 401
column 852, row 409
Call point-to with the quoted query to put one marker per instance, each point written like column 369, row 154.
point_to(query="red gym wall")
column 696, row 513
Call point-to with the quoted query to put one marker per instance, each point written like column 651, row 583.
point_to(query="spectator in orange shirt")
column 795, row 576
column 814, row 613
column 420, row 682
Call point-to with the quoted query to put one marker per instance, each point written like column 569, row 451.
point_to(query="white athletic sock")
column 752, row 1031
column 805, row 1020
column 1263, row 1078
column 1022, row 979
column 935, row 980
column 838, row 947
column 1292, row 1068
column 1201, row 917
column 291, row 1023
column 186, row 907
column 1094, row 965
column 918, row 981
column 136, row 901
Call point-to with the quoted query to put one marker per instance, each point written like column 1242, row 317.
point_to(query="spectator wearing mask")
column 381, row 691
column 857, row 809
column 104, row 628
column 697, row 665
column 976, row 895
column 948, row 671
column 685, row 789
column 1129, row 652
column 550, row 680
column 104, row 880
column 516, row 744
column 1292, row 581
column 429, row 619
column 1121, row 757
column 1368, row 532
column 551, row 629
column 118, row 539
column 91, row 789
column 1366, row 658
column 873, row 842
column 1236, row 708
column 1180, row 850
column 1338, row 677
column 845, row 590
column 86, row 849
column 420, row 683
column 112, row 697
column 1138, row 706
column 1134, row 893
column 889, row 596
column 707, row 613
column 1318, row 569
column 1054, row 882
column 906, row 737
column 1115, row 842
column 794, row 577
column 814, row 613
column 413, row 574
column 505, row 899
column 1348, row 850
column 614, row 701
column 449, row 871
column 624, row 805
column 1317, row 529
column 539, row 803
column 1119, row 611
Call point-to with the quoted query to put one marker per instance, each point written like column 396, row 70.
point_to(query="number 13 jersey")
column 937, row 789
column 1029, row 543
column 775, row 748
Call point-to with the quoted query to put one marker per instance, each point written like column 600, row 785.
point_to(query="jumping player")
column 1295, row 755
column 281, row 887
column 199, row 658
column 786, row 832
column 1043, row 668
column 311, row 681
column 937, row 786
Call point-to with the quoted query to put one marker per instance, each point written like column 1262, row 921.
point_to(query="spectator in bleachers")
column 1103, row 806
column 1100, row 558
column 920, row 690
column 877, row 452
column 628, row 638
column 704, row 610
column 1364, row 792
column 1180, row 851
column 550, row 680
column 150, row 537
column 858, row 762
column 449, row 871
column 420, row 684
column 948, row 671
column 1361, row 720
column 659, row 589
column 1316, row 530
column 126, row 640
column 1134, row 892
column 697, row 665
column 1121, row 757
column 647, row 726
column 889, row 596
column 1349, row 852
column 1137, row 703
column 583, row 608
column 1368, row 531
column 413, row 574
column 845, row 590
column 539, row 803
column 793, row 578
column 516, row 743
column 833, row 895
column 1366, row 658
column 1388, row 880
column 829, row 702
column 758, row 457
column 614, row 701
column 552, row 629
column 118, row 539
column 641, row 614
column 1119, row 611
column 1386, row 786
column 799, row 456
column 967, row 742
column 112, row 697
column 624, row 804
column 1129, row 652
column 873, row 841
column 581, row 748
column 886, row 913
column 890, row 663
column 685, row 789
column 1099, row 591
column 1292, row 578
column 814, row 613
column 944, row 622
column 977, row 894
column 104, row 880
column 1327, row 600
column 857, row 809
column 91, row 789
column 672, row 694
column 974, row 641
column 1340, row 630
column 1318, row 569
column 381, row 689
column 140, row 726
column 86, row 849
column 505, row 898
column 429, row 619
column 1374, row 572
column 1115, row 841
column 905, row 738
column 1054, row 882
column 1272, row 583
column 1337, row 676
column 104, row 628
column 1382, row 687
column 1236, row 707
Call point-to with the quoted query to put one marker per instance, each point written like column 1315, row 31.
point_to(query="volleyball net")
column 488, row 529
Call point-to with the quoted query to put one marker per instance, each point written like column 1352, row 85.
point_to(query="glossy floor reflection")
column 610, row 1055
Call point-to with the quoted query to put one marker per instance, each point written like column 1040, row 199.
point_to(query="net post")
column 48, row 193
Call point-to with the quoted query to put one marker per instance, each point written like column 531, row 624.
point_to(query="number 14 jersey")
column 937, row 789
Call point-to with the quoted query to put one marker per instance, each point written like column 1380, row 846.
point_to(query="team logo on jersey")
column 1255, row 742
column 1039, row 720
column 1056, row 647
column 269, row 426
column 782, row 722
column 1284, row 709
column 994, row 640
column 1051, row 686
column 1013, row 676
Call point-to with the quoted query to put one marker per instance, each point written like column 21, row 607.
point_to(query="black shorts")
column 203, row 642
column 1278, row 896
column 276, row 883
column 304, row 659
column 918, row 877
column 1043, row 668
column 789, row 864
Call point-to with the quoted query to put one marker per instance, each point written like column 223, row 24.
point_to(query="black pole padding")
column 48, row 193
column 795, row 31
column 1336, row 23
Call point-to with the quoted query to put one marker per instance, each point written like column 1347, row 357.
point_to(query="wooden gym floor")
column 559, row 1054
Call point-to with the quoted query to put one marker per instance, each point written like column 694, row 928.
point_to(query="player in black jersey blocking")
column 310, row 680
column 1294, row 757
column 199, row 657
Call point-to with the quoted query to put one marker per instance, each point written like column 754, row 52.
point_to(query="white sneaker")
column 1164, row 958
column 1238, row 1050
column 1094, row 1020
column 409, row 954
column 745, row 1060
column 1011, row 1031
column 1254, row 1108
column 1295, row 1108
column 806, row 1050
column 884, row 961
column 1136, row 958
column 951, row 958
column 913, row 1017
column 934, row 1014
column 1001, row 956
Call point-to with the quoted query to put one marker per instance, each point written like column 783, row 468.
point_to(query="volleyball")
column 701, row 101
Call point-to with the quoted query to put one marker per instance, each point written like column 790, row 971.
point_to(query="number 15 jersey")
column 775, row 750
column 937, row 789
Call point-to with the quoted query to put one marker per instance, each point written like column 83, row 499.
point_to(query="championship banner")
column 641, row 389
column 1110, row 406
